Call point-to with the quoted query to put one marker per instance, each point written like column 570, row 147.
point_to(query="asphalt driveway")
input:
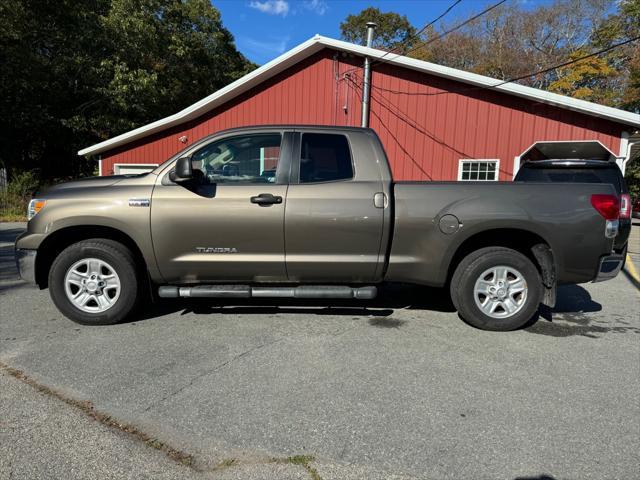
column 397, row 388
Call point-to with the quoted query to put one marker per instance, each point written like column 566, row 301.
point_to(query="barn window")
column 478, row 170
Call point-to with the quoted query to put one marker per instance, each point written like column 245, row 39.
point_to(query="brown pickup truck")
column 312, row 212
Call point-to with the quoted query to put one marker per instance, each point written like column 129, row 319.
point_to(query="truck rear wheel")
column 497, row 289
column 94, row 282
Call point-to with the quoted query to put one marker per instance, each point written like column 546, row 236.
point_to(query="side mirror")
column 183, row 172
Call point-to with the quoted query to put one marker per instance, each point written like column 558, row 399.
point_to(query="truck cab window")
column 325, row 158
column 241, row 159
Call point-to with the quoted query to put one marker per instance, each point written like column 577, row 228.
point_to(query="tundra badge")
column 139, row 202
column 216, row 250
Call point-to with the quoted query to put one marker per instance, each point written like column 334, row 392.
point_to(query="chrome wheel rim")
column 92, row 285
column 500, row 292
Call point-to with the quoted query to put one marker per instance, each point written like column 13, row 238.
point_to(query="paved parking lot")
column 399, row 388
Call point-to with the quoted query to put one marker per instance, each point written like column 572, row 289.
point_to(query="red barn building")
column 436, row 123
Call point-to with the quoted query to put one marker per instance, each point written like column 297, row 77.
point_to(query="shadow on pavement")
column 569, row 318
column 574, row 302
column 8, row 271
column 540, row 477
column 390, row 298
column 9, row 235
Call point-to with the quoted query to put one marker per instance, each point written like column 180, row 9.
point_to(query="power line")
column 459, row 26
column 408, row 154
column 402, row 116
column 390, row 106
column 380, row 60
column 594, row 54
column 510, row 80
column 412, row 37
column 421, row 31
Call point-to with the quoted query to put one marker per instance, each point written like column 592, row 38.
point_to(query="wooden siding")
column 425, row 133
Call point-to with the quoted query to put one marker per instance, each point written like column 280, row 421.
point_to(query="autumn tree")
column 391, row 31
column 586, row 78
column 511, row 42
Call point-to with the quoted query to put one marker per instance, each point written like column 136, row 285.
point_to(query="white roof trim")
column 604, row 147
column 316, row 44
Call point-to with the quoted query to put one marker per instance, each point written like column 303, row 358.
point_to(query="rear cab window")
column 325, row 158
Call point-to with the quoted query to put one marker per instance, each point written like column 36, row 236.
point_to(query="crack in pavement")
column 209, row 372
column 180, row 456
column 87, row 408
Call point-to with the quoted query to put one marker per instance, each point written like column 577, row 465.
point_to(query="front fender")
column 113, row 211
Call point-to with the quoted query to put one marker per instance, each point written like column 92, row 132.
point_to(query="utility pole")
column 366, row 87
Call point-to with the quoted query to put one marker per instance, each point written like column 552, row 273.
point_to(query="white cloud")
column 272, row 7
column 318, row 7
column 269, row 46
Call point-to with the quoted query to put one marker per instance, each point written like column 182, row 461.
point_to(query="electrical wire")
column 408, row 154
column 402, row 116
column 421, row 31
column 407, row 41
column 458, row 27
column 510, row 80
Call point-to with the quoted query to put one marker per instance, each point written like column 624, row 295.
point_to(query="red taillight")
column 625, row 205
column 607, row 205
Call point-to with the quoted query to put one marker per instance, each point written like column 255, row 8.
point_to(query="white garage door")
column 129, row 169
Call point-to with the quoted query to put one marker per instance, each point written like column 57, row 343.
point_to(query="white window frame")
column 116, row 166
column 462, row 161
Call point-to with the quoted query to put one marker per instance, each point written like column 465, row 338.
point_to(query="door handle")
column 266, row 199
column 380, row 200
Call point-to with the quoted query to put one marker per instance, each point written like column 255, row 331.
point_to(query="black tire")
column 117, row 256
column 469, row 271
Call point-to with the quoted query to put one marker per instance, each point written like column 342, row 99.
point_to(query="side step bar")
column 247, row 291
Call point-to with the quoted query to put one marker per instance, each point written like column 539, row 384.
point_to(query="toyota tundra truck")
column 312, row 212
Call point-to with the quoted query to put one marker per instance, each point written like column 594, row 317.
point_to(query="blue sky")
column 264, row 29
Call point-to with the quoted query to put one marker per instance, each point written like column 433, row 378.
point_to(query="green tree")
column 620, row 26
column 632, row 176
column 75, row 72
column 162, row 55
column 46, row 50
column 392, row 29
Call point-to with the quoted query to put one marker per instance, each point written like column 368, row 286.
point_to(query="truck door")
column 333, row 228
column 228, row 224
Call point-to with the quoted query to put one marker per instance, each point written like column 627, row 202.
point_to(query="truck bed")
column 561, row 215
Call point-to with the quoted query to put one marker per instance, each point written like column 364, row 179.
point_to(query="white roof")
column 316, row 44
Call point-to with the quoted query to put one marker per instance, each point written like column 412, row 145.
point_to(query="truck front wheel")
column 497, row 289
column 94, row 282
